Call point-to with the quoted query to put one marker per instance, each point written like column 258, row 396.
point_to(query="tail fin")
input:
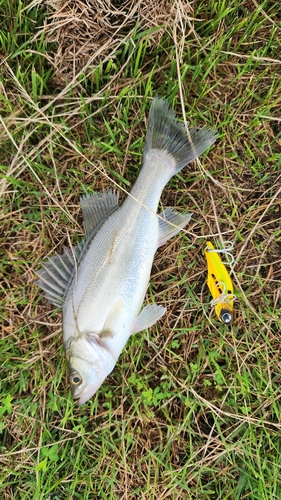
column 165, row 133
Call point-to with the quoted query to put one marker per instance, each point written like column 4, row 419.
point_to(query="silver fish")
column 101, row 284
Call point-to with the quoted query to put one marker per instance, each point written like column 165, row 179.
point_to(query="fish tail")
column 166, row 135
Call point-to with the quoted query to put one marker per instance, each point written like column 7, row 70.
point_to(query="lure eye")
column 75, row 379
column 226, row 316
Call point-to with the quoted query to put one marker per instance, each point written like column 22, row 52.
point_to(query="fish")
column 220, row 284
column 100, row 284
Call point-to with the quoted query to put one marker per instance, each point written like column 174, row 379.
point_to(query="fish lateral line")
column 110, row 260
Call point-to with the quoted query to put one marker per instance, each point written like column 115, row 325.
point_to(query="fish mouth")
column 86, row 394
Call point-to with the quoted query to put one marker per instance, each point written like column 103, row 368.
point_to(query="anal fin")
column 167, row 227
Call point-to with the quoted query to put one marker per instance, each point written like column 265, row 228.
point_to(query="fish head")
column 89, row 365
column 84, row 379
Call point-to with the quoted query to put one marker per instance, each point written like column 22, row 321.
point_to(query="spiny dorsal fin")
column 96, row 209
column 56, row 274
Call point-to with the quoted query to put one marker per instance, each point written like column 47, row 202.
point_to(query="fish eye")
column 226, row 316
column 75, row 379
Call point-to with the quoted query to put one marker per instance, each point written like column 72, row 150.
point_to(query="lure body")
column 220, row 285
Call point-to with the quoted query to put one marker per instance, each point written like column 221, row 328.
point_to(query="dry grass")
column 88, row 33
column 192, row 410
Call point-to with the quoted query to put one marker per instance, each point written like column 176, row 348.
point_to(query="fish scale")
column 101, row 284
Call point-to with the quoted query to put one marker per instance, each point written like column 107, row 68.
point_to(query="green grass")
column 192, row 408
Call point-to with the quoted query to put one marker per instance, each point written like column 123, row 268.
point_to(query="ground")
column 192, row 408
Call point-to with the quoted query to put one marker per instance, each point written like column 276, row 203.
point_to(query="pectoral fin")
column 148, row 317
column 167, row 227
column 110, row 322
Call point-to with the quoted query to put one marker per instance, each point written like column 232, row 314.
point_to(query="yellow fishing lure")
column 220, row 284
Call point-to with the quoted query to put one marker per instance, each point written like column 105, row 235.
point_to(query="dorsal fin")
column 57, row 273
column 96, row 209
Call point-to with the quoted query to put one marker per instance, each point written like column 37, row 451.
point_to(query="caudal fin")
column 166, row 134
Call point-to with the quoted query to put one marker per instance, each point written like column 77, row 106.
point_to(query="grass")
column 192, row 409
